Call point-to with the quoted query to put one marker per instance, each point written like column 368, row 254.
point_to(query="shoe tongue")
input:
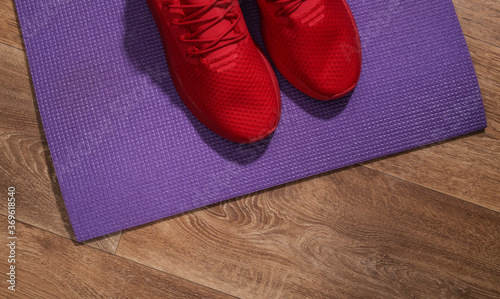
column 215, row 30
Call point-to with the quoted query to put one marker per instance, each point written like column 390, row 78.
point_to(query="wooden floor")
column 422, row 224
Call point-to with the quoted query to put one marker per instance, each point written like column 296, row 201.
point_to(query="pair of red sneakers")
column 226, row 81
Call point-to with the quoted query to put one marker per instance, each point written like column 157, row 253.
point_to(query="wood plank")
column 479, row 19
column 10, row 31
column 25, row 161
column 355, row 233
column 50, row 266
column 467, row 167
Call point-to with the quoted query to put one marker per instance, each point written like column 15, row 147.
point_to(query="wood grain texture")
column 467, row 167
column 25, row 161
column 479, row 19
column 355, row 233
column 50, row 266
column 350, row 233
column 10, row 33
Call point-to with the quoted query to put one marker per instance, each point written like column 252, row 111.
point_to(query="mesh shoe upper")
column 232, row 90
column 316, row 47
column 237, row 91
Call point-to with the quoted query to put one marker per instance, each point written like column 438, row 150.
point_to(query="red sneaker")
column 314, row 44
column 219, row 73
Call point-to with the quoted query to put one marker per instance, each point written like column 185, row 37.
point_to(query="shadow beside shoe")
column 320, row 109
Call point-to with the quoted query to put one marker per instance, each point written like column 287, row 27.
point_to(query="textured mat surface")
column 126, row 151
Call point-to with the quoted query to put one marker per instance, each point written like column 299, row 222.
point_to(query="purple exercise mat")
column 126, row 151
